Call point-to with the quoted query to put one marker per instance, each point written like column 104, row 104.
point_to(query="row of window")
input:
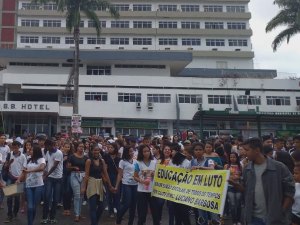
column 141, row 24
column 192, row 99
column 136, row 41
column 148, row 7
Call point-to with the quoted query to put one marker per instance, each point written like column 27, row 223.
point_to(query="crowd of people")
column 117, row 174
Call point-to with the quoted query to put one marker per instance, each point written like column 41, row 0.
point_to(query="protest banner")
column 203, row 189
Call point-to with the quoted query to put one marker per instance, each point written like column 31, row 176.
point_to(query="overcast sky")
column 287, row 58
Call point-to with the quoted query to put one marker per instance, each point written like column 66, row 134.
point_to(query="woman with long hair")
column 76, row 165
column 144, row 174
column 33, row 174
column 129, row 185
column 95, row 176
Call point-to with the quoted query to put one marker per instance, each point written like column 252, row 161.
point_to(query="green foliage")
column 288, row 16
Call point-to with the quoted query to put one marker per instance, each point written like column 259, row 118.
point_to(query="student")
column 53, row 180
column 33, row 173
column 129, row 185
column 157, row 153
column 296, row 141
column 268, row 187
column 234, row 196
column 4, row 151
column 181, row 211
column 95, row 175
column 296, row 205
column 15, row 164
column 77, row 166
column 143, row 174
column 210, row 154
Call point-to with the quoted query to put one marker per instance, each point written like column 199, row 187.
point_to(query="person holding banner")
column 268, row 187
column 199, row 162
column 181, row 211
column 143, row 174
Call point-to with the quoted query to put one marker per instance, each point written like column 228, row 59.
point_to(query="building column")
column 258, row 126
column 49, row 126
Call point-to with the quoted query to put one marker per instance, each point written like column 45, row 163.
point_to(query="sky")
column 286, row 60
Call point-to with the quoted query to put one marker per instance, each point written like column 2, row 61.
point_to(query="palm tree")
column 289, row 16
column 73, row 10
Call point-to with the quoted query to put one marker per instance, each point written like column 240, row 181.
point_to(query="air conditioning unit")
column 138, row 105
column 121, row 48
column 167, row 48
column 215, row 49
column 27, row 46
column 97, row 47
column 23, row 8
column 145, row 48
column 189, row 49
column 150, row 106
column 72, row 47
column 237, row 49
column 49, row 46
column 41, row 8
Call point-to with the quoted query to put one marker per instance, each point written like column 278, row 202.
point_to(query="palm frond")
column 106, row 5
column 284, row 17
column 284, row 35
column 93, row 17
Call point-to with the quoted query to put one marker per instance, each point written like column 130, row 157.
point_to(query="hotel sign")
column 21, row 106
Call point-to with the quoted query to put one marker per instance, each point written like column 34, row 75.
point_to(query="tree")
column 288, row 16
column 73, row 10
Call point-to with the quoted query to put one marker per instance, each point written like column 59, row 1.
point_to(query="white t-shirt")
column 18, row 164
column 51, row 158
column 186, row 164
column 146, row 172
column 128, row 172
column 4, row 150
column 296, row 205
column 35, row 179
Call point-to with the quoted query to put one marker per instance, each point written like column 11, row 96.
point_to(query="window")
column 142, row 41
column 30, row 6
column 129, row 97
column 119, row 24
column 213, row 8
column 132, row 66
column 50, row 6
column 141, row 7
column 194, row 99
column 33, row 64
column 142, row 24
column 96, row 96
column 159, row 98
column 119, row 41
column 121, row 7
column 249, row 100
column 167, row 24
column 98, row 70
column 214, row 25
column 70, row 40
column 81, row 24
column 190, row 8
column 278, row 100
column 219, row 99
column 67, row 98
column 168, row 8
column 167, row 41
column 235, row 8
column 297, row 100
column 92, row 24
column 28, row 39
column 29, row 23
column 51, row 40
column 191, row 41
column 96, row 41
column 52, row 23
column 215, row 42
column 236, row 25
column 238, row 42
column 190, row 25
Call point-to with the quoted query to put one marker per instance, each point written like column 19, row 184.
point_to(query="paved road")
column 63, row 220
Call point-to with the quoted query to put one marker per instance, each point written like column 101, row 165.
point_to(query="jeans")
column 1, row 191
column 182, row 216
column 13, row 203
column 143, row 200
column 160, row 204
column 257, row 221
column 129, row 199
column 96, row 209
column 67, row 192
column 77, row 197
column 171, row 212
column 113, row 200
column 33, row 195
column 52, row 192
column 204, row 217
column 234, row 198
